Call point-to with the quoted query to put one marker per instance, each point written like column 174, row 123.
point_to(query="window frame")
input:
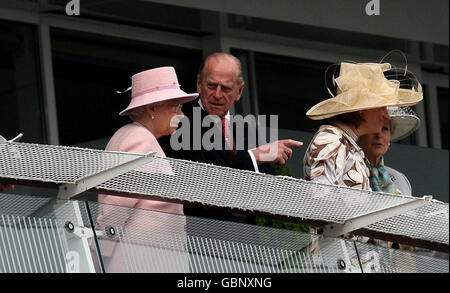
column 226, row 39
column 46, row 21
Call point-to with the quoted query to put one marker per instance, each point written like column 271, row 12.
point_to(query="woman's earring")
column 153, row 117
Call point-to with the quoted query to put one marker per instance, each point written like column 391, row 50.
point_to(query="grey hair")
column 136, row 113
column 139, row 112
column 391, row 126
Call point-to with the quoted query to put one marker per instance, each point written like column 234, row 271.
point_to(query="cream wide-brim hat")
column 156, row 85
column 404, row 121
column 363, row 86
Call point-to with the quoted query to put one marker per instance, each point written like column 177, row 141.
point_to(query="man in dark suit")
column 220, row 84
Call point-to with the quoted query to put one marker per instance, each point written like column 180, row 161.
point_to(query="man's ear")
column 241, row 90
column 198, row 83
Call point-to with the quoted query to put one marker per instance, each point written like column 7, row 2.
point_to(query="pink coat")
column 137, row 139
column 133, row 249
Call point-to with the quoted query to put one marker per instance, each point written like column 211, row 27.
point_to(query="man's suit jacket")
column 222, row 157
column 239, row 160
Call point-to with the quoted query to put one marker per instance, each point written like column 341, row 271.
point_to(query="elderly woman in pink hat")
column 155, row 110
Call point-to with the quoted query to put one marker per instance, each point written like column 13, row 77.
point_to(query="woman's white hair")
column 139, row 112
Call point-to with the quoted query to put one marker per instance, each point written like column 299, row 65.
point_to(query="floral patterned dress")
column 334, row 157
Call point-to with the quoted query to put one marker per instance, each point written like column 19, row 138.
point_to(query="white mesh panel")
column 150, row 241
column 55, row 164
column 223, row 187
column 226, row 187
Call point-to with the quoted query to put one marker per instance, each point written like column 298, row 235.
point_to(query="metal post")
column 68, row 190
column 352, row 224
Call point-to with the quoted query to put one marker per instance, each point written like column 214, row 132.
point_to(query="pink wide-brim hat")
column 156, row 85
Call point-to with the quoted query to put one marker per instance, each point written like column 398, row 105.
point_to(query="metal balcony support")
column 78, row 257
column 352, row 224
column 80, row 243
column 68, row 190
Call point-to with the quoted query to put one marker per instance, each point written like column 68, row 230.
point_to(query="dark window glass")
column 428, row 119
column 174, row 18
column 440, row 53
column 326, row 35
column 20, row 88
column 289, row 87
column 89, row 69
column 443, row 115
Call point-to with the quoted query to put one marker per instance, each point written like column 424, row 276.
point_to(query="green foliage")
column 282, row 169
column 268, row 221
column 275, row 223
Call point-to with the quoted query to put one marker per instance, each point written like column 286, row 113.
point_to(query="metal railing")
column 77, row 236
column 68, row 235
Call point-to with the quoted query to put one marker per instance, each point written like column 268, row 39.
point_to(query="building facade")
column 63, row 61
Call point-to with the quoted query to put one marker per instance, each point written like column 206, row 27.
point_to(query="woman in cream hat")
column 155, row 109
column 383, row 178
column 359, row 108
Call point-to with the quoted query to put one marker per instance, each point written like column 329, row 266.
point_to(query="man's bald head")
column 220, row 83
column 222, row 57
